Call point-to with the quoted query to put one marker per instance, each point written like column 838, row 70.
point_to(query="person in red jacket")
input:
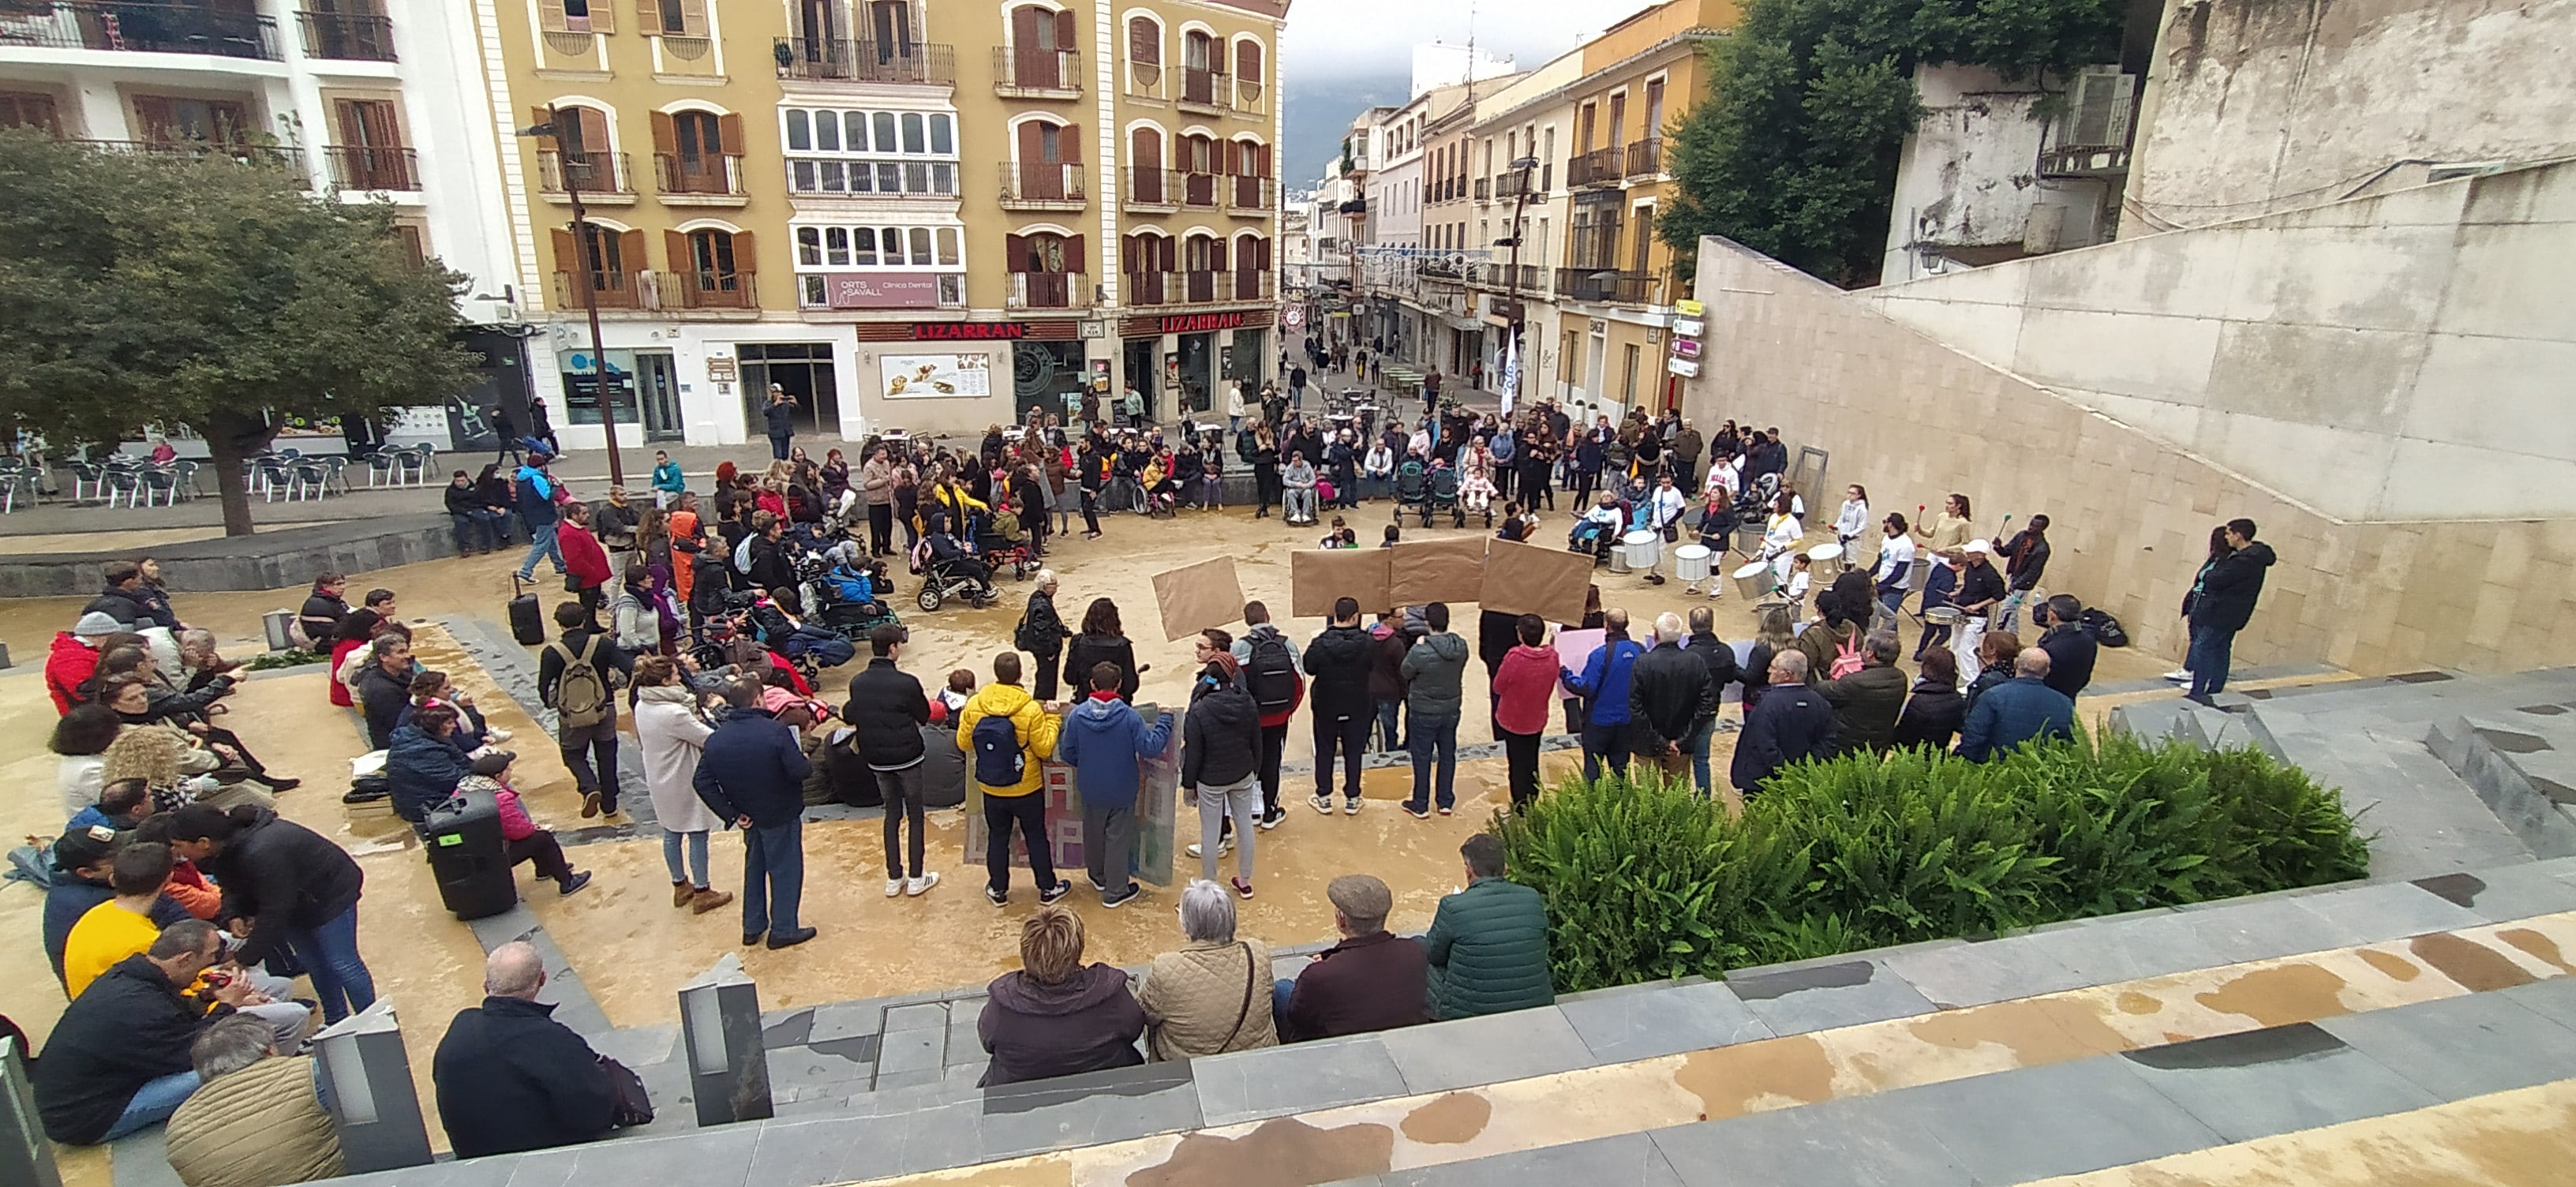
column 1524, row 684
column 75, row 657
column 585, row 562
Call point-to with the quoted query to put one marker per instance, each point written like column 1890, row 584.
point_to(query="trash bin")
column 463, row 839
column 274, row 624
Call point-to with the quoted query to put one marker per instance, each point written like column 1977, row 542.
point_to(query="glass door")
column 657, row 383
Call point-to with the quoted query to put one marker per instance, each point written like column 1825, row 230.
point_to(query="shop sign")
column 720, row 369
column 917, row 376
column 969, row 331
column 883, row 290
column 1200, row 323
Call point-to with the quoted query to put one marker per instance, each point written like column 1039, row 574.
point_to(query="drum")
column 1824, row 553
column 1754, row 580
column 1943, row 615
column 1644, row 549
column 1619, row 559
column 1691, row 562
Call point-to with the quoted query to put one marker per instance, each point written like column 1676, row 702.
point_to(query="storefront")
column 957, row 377
column 1182, row 362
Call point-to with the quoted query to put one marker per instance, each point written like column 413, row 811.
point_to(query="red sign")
column 1200, row 323
column 884, row 290
column 968, row 331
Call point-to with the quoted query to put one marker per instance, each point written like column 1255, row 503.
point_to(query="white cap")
column 1979, row 546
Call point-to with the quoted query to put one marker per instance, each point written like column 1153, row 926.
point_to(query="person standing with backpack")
column 1274, row 676
column 752, row 772
column 1006, row 733
column 578, row 677
column 1102, row 739
column 1042, row 633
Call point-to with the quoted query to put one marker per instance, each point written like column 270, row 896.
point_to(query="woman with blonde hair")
column 1211, row 996
column 1057, row 1016
column 1775, row 635
column 176, row 769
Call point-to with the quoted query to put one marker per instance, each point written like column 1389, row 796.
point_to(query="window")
column 169, row 120
column 832, row 151
column 821, row 249
column 1144, row 56
column 22, row 109
column 673, row 18
column 1628, row 376
column 584, row 16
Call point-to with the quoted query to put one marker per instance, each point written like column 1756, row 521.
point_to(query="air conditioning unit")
column 2099, row 108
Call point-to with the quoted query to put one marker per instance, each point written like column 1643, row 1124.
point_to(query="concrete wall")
column 1913, row 419
column 1968, row 174
column 2262, row 105
column 2403, row 357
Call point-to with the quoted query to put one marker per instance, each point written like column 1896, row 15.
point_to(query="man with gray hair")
column 1867, row 702
column 1669, row 692
column 255, row 1119
column 2016, row 711
column 510, row 1077
column 1790, row 722
column 1206, row 999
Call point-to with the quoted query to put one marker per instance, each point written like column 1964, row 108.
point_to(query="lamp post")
column 1523, row 166
column 583, row 277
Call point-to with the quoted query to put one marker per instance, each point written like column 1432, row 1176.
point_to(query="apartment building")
column 963, row 212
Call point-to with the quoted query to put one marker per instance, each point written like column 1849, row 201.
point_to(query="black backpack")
column 1272, row 672
column 998, row 761
column 2106, row 629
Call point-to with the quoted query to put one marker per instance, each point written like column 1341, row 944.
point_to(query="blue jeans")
column 152, row 1104
column 1604, row 742
column 2208, row 659
column 493, row 526
column 778, row 446
column 541, row 542
column 1698, row 748
column 773, row 877
column 1279, row 991
column 329, row 952
column 1390, row 733
column 695, row 873
column 1437, row 737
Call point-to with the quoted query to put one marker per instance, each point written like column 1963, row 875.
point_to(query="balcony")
column 1603, row 286
column 140, row 28
column 1202, row 287
column 1511, row 187
column 347, row 37
column 604, row 177
column 1037, row 185
column 1251, row 195
column 1204, row 90
column 1599, row 167
column 612, row 290
column 1048, row 290
column 911, row 63
column 1031, row 73
column 706, row 290
column 1484, row 190
column 1646, row 157
column 1198, row 190
column 707, row 179
column 1154, row 190
column 1531, row 279
column 2084, row 160
column 257, row 156
column 1251, row 98
column 366, row 167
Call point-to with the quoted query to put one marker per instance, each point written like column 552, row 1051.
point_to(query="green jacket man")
column 1488, row 943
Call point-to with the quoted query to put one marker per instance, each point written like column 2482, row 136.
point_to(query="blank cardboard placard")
column 1193, row 598
column 1574, row 649
column 1316, row 576
column 1449, row 570
column 1534, row 579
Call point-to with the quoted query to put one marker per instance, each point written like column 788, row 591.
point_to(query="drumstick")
column 2005, row 527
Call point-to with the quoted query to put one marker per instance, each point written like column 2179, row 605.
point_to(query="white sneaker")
column 894, row 887
column 2179, row 675
column 495, row 734
column 921, row 885
column 1224, row 845
column 1350, row 807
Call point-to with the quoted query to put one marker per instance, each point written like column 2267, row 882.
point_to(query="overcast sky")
column 1345, row 38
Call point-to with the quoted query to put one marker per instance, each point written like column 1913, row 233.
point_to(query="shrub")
column 1646, row 881
column 289, row 658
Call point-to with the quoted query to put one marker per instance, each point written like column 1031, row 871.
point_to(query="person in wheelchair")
column 1598, row 531
column 950, row 558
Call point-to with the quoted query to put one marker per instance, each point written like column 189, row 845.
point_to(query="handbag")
column 631, row 1107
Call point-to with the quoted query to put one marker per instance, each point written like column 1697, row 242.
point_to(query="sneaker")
column 1417, row 813
column 1272, row 819
column 589, row 804
column 495, row 735
column 1243, row 888
column 579, row 879
column 1000, row 898
column 1445, row 811
column 1063, row 887
column 1117, row 899
column 1320, row 803
column 894, row 887
column 921, row 885
column 2179, row 675
column 1224, row 845
column 1351, row 806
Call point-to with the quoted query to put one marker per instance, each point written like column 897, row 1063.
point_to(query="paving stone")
column 2265, row 928
column 1089, row 1109
column 912, row 1050
column 2263, row 1082
column 1982, row 973
column 941, row 1136
column 706, row 1158
column 1486, row 1050
column 1250, row 1085
column 2389, row 911
column 547, row 1168
column 891, row 1081
column 2504, row 894
column 2553, row 998
column 1627, row 1160
column 926, row 1016
column 964, row 1044
column 806, row 1153
column 2468, row 1046
column 142, row 1159
column 636, row 1046
column 2057, row 1119
column 1643, row 1021
column 789, row 1028
column 2106, row 952
column 1846, row 1140
column 847, row 1020
column 1822, row 997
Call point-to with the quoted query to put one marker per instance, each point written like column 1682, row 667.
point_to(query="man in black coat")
column 510, row 1077
column 118, row 1057
column 1669, row 694
column 887, row 709
column 2221, row 603
column 752, row 772
column 1867, row 702
column 2070, row 644
column 1722, row 671
column 1791, row 722
column 1338, row 663
column 131, row 600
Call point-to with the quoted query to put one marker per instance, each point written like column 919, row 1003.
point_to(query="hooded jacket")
column 511, row 1078
column 1388, row 643
column 424, row 771
column 1037, row 730
column 1221, row 736
column 1102, row 738
column 2228, row 587
column 751, row 766
column 888, row 709
column 1432, row 671
column 1087, row 1022
column 1339, row 662
column 68, row 666
column 1525, row 687
column 285, row 877
column 1242, row 652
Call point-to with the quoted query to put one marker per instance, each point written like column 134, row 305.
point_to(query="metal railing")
column 1199, row 189
column 1200, row 287
column 922, row 63
column 140, row 28
column 1027, row 70
column 1251, row 193
column 1646, row 157
column 1604, row 285
column 260, row 156
column 707, row 174
column 598, row 172
column 1148, row 186
column 694, row 289
column 1037, row 185
column 347, row 36
column 1598, row 167
column 367, row 167
column 1203, row 88
column 1522, row 278
column 1048, row 290
column 1484, row 189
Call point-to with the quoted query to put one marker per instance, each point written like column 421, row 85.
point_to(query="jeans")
column 1274, row 743
column 152, row 1104
column 1050, row 671
column 1240, row 800
column 1390, row 734
column 778, row 445
column 902, row 790
column 695, row 872
column 329, row 953
column 1698, row 749
column 1349, row 735
column 1109, row 846
column 584, row 746
column 1520, row 754
column 1028, row 812
column 1437, row 737
column 541, row 542
column 2208, row 659
column 492, row 526
column 1280, row 991
column 1605, row 742
column 773, row 877
column 542, row 848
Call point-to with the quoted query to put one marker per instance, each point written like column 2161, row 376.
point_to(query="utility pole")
column 584, row 280
column 1524, row 167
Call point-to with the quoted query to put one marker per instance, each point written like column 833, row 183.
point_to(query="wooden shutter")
column 551, row 19
column 745, row 260
column 1015, row 251
column 676, row 245
column 1064, row 29
column 567, row 251
column 1073, row 261
column 1144, row 42
column 648, row 17
column 1247, row 61
column 603, row 15
column 1027, row 28
column 666, row 134
column 729, row 130
column 630, row 251
column 693, row 18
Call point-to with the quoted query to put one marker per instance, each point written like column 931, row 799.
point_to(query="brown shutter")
column 1070, row 136
column 1073, row 260
column 630, row 251
column 666, row 134
column 676, row 245
column 567, row 251
column 603, row 17
column 693, row 18
column 550, row 16
column 745, row 260
column 537, row 117
column 1025, row 23
column 729, row 130
column 1233, row 158
column 1130, row 247
column 1144, row 43
column 1064, row 29
column 1247, row 61
column 648, row 16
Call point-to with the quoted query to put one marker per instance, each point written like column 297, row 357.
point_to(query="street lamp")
column 1523, row 166
column 584, row 278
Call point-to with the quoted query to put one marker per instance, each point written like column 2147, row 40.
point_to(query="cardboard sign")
column 1447, row 570
column 1157, row 810
column 1573, row 649
column 1316, row 576
column 1195, row 597
column 1535, row 579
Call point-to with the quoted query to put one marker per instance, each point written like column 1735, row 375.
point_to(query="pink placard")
column 1572, row 649
column 884, row 290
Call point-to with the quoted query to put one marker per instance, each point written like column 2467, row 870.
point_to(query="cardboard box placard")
column 1535, row 579
column 1316, row 576
column 1448, row 570
column 1193, row 598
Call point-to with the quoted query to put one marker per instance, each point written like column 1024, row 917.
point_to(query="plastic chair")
column 12, row 473
column 185, row 486
column 122, row 481
column 270, row 476
column 380, row 467
column 411, row 465
column 312, row 477
column 160, row 481
column 338, row 478
column 88, row 481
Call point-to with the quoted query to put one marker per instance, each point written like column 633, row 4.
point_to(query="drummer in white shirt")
column 1662, row 515
column 1781, row 538
column 1895, row 574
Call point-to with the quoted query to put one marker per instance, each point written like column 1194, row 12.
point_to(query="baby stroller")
column 1412, row 490
column 1443, row 498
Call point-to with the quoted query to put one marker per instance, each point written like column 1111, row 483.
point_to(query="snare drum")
column 1754, row 580
column 1823, row 553
column 1943, row 615
column 1691, row 562
column 1644, row 549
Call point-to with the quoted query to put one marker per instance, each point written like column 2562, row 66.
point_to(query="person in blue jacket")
column 668, row 483
column 534, row 490
column 752, row 772
column 1102, row 740
column 1604, row 686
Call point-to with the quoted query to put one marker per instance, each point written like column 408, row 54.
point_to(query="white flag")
column 1511, row 375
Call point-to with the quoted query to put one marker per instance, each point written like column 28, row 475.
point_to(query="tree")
column 208, row 294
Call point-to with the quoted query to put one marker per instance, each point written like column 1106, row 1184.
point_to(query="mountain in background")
column 1319, row 112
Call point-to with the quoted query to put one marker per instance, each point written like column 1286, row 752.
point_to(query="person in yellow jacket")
column 1006, row 733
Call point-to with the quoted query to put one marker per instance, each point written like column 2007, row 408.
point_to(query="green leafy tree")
column 206, row 294
column 1794, row 151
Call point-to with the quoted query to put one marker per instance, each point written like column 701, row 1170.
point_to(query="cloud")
column 1328, row 39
